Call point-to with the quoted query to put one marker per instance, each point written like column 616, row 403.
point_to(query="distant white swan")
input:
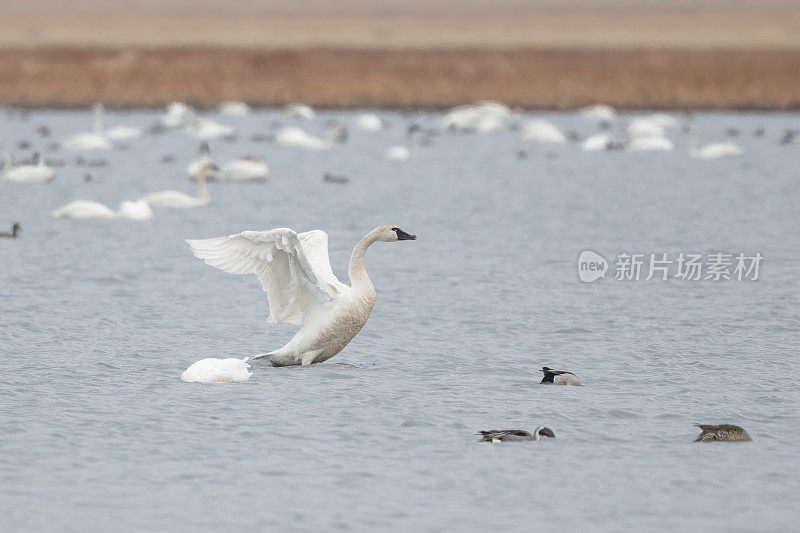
column 248, row 169
column 200, row 161
column 38, row 173
column 177, row 115
column 650, row 143
column 716, row 150
column 239, row 109
column 369, row 122
column 214, row 370
column 655, row 125
column 599, row 142
column 134, row 210
column 123, row 133
column 90, row 141
column 300, row 111
column 542, row 131
column 296, row 274
column 599, row 112
column 83, row 209
column 181, row 200
column 295, row 137
column 206, row 128
column 403, row 153
column 483, row 117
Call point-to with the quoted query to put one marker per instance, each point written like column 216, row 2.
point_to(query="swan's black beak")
column 403, row 236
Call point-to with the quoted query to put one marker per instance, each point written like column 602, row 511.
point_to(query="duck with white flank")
column 515, row 435
column 722, row 433
column 559, row 377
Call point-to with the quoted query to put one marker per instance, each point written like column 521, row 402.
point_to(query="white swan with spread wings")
column 295, row 272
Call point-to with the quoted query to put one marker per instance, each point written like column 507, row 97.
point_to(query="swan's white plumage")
column 206, row 128
column 239, row 109
column 542, row 131
column 300, row 111
column 213, row 370
column 293, row 136
column 650, row 143
column 27, row 173
column 718, row 150
column 301, row 288
column 177, row 114
column 123, row 133
column 483, row 116
column 96, row 140
column 598, row 112
column 248, row 168
column 294, row 269
column 596, row 143
column 84, row 209
column 397, row 153
column 134, row 210
column 369, row 122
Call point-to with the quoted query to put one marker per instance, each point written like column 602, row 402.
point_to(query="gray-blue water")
column 99, row 318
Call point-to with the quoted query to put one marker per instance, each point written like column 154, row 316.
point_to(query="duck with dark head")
column 15, row 229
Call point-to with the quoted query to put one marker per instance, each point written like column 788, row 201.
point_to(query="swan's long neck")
column 359, row 279
column 8, row 163
column 692, row 140
column 202, row 188
column 409, row 141
column 97, row 126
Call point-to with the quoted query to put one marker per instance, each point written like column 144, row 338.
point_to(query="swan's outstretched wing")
column 293, row 269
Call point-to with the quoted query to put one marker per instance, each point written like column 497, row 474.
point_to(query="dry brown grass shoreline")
column 528, row 77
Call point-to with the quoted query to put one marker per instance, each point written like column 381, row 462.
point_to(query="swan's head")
column 391, row 233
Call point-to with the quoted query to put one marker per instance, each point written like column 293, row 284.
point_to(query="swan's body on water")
column 96, row 140
column 293, row 136
column 542, row 131
column 295, row 272
column 247, row 169
column 37, row 173
column 599, row 112
column 715, row 150
column 238, row 109
column 83, row 209
column 300, row 111
column 213, row 370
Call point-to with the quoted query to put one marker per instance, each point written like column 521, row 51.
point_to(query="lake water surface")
column 99, row 318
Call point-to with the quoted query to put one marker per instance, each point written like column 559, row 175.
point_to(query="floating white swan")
column 90, row 141
column 38, row 173
column 483, row 117
column 134, row 210
column 248, row 169
column 177, row 115
column 300, row 111
column 200, row 161
column 369, row 122
column 655, row 125
column 542, row 131
column 403, row 153
column 599, row 112
column 598, row 142
column 296, row 274
column 180, row 200
column 238, row 109
column 295, row 137
column 214, row 370
column 123, row 133
column 713, row 150
column 83, row 209
column 206, row 128
column 650, row 143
